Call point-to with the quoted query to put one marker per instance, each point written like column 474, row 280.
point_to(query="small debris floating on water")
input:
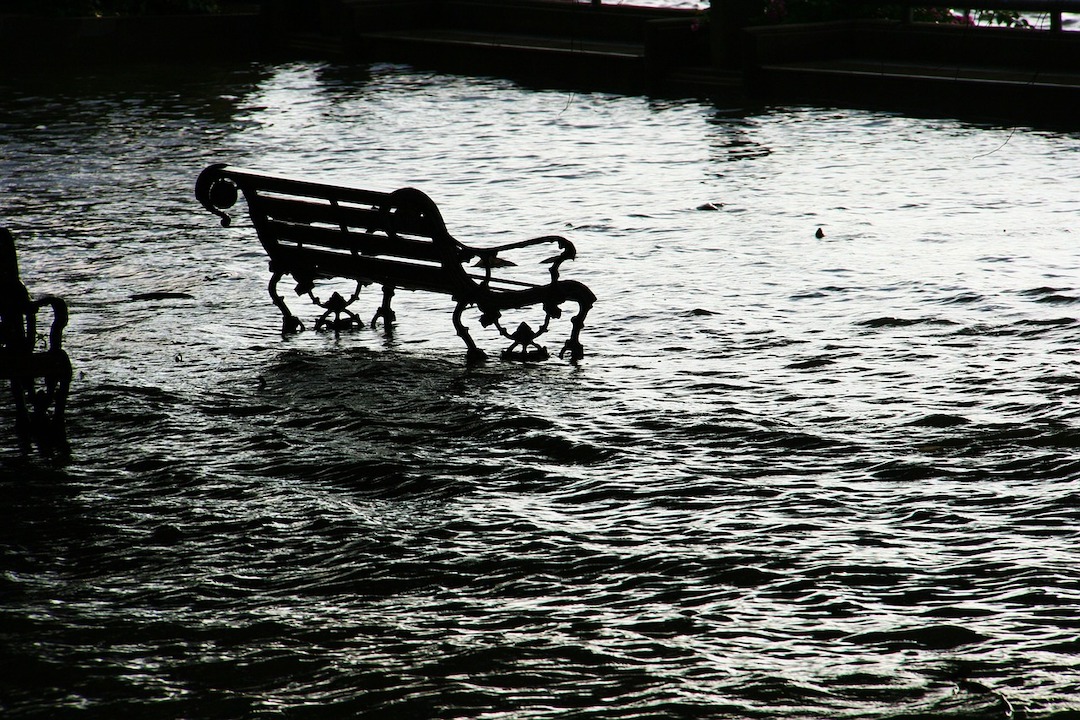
column 166, row 535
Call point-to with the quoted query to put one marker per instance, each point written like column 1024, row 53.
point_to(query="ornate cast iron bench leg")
column 290, row 324
column 23, row 423
column 473, row 354
column 573, row 344
column 385, row 311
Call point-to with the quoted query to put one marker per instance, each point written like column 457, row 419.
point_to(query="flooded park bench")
column 37, row 367
column 314, row 231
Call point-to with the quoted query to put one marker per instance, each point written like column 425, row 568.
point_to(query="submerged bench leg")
column 58, row 430
column 573, row 345
column 290, row 323
column 473, row 354
column 23, row 426
column 385, row 311
column 40, row 417
column 39, row 410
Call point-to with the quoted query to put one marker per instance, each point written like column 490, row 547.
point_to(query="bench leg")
column 385, row 311
column 49, row 402
column 59, row 428
column 23, row 425
column 573, row 345
column 41, row 422
column 473, row 354
column 290, row 323
column 39, row 414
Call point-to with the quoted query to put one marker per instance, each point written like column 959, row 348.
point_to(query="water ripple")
column 794, row 476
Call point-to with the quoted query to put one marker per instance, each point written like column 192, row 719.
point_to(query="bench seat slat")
column 363, row 243
column 302, row 188
column 303, row 210
column 327, row 264
column 381, row 270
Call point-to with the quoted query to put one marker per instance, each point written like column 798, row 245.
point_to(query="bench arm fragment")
column 487, row 255
column 60, row 318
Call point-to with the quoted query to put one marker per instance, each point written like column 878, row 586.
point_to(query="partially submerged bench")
column 315, row 231
column 36, row 366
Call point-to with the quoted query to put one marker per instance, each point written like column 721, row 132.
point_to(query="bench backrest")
column 16, row 316
column 313, row 230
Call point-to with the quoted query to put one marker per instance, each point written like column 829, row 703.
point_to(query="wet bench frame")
column 315, row 231
column 36, row 366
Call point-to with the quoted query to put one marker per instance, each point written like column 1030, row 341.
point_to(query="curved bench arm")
column 60, row 318
column 488, row 255
column 216, row 192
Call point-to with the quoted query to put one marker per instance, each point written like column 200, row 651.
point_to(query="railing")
column 1053, row 8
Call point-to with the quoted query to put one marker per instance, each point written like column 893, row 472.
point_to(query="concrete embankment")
column 1006, row 73
column 986, row 73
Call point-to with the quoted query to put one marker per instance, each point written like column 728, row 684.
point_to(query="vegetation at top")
column 798, row 11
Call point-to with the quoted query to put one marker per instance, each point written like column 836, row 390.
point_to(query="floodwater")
column 793, row 477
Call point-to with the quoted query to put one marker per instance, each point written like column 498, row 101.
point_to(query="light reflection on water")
column 794, row 477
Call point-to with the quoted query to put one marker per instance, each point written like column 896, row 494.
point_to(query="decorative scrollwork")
column 216, row 193
column 524, row 346
column 525, row 338
column 337, row 306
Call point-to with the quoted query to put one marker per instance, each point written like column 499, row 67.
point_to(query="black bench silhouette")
column 37, row 367
column 315, row 231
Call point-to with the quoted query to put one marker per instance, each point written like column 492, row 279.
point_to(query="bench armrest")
column 488, row 256
column 59, row 320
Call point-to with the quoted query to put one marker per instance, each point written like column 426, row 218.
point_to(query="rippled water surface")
column 794, row 476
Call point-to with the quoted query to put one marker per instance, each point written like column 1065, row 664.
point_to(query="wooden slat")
column 263, row 183
column 328, row 264
column 311, row 211
column 348, row 242
column 310, row 202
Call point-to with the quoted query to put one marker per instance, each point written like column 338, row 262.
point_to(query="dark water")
column 793, row 478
